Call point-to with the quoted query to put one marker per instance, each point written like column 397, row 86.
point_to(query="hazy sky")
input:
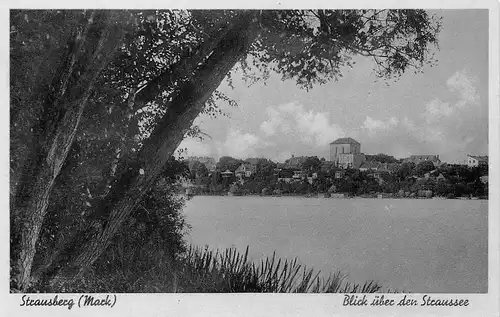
column 443, row 111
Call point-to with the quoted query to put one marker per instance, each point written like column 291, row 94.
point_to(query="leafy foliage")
column 381, row 158
column 311, row 46
column 405, row 170
column 198, row 170
column 228, row 163
column 424, row 167
column 311, row 163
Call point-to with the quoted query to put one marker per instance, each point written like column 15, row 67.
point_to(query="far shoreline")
column 320, row 196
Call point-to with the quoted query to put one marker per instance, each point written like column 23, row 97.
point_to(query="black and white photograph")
column 295, row 151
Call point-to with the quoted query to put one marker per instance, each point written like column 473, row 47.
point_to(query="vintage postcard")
column 280, row 158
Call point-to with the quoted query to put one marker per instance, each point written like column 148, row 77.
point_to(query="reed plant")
column 228, row 271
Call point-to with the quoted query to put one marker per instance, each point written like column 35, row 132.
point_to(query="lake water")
column 421, row 246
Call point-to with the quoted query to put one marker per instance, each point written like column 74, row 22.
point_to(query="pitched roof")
column 423, row 156
column 392, row 166
column 240, row 168
column 253, row 161
column 480, row 158
column 295, row 161
column 345, row 141
column 432, row 158
column 245, row 165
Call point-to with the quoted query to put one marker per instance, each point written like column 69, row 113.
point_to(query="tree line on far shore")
column 404, row 179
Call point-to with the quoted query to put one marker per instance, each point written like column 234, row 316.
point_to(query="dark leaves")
column 312, row 46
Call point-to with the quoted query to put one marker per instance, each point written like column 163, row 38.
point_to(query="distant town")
column 347, row 173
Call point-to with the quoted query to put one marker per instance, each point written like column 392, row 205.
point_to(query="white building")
column 474, row 161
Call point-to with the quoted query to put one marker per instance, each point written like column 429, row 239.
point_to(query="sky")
column 443, row 111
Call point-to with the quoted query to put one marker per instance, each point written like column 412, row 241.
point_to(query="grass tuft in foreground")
column 204, row 270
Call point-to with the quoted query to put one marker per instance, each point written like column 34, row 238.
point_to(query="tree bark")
column 57, row 130
column 158, row 148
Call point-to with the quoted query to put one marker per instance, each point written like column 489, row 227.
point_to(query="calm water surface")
column 422, row 246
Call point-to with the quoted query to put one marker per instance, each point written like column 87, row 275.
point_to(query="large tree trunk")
column 57, row 129
column 158, row 148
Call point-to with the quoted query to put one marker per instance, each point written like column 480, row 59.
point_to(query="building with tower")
column 346, row 153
